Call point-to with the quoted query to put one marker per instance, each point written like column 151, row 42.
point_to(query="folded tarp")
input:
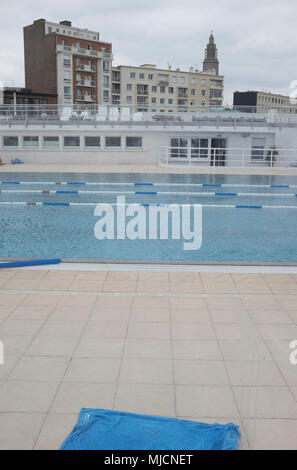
column 116, row 430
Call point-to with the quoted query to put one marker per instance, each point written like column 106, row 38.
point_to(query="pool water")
column 245, row 218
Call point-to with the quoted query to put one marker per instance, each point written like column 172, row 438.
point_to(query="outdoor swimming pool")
column 244, row 218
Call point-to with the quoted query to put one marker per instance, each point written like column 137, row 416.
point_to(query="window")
column 129, row 87
column 50, row 29
column 50, row 142
column 203, row 92
column 106, row 94
column 181, row 79
column 154, row 100
column 162, row 101
column 67, row 76
column 173, row 79
column 193, row 103
column 66, row 60
column 129, row 99
column 203, row 81
column 193, row 91
column 215, row 93
column 105, row 80
column 132, row 74
column 92, row 141
column 154, row 89
column 30, row 142
column 141, row 76
column 170, row 101
column 178, row 147
column 11, row 141
column 90, row 47
column 112, row 142
column 257, row 148
column 141, row 99
column 216, row 83
column 106, row 65
column 193, row 80
column 150, row 76
column 162, row 89
column 64, row 42
column 199, row 148
column 133, row 141
column 67, row 91
column 72, row 141
column 171, row 90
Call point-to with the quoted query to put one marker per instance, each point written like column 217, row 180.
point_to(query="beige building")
column 261, row 102
column 149, row 88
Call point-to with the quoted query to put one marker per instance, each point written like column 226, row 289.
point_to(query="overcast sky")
column 256, row 40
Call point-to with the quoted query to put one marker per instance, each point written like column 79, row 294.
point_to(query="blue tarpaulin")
column 116, row 430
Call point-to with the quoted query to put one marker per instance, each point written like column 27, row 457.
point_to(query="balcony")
column 163, row 82
column 88, row 83
column 84, row 52
column 85, row 67
column 86, row 98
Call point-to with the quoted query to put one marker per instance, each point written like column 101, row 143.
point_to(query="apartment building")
column 24, row 96
column 261, row 102
column 68, row 61
column 148, row 87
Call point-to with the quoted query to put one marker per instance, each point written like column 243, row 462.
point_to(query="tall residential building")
column 147, row 87
column 211, row 62
column 261, row 102
column 68, row 61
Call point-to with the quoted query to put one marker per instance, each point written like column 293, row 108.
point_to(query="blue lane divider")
column 33, row 262
column 143, row 184
column 279, row 185
column 210, row 184
column 74, row 182
column 10, row 182
column 248, row 207
column 55, row 203
column 66, row 192
column 225, row 194
column 146, row 192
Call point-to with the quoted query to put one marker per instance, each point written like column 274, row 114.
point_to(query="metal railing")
column 231, row 157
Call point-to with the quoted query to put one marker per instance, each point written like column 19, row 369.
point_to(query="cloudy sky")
column 256, row 39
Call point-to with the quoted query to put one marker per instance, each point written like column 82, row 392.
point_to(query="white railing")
column 231, row 157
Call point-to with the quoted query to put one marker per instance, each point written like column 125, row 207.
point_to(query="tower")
column 211, row 62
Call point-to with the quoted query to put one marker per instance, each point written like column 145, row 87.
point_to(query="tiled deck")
column 206, row 346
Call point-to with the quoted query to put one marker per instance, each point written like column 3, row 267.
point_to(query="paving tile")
column 110, row 314
column 20, row 284
column 83, row 285
column 196, row 349
column 283, row 288
column 266, row 402
column 224, row 303
column 93, row 370
column 189, row 316
column 8, row 365
column 225, row 287
column 261, row 303
column 215, row 277
column 288, row 371
column 145, row 399
column 143, row 301
column 62, row 328
column 277, row 278
column 270, row 316
column 247, row 350
column 100, row 347
column 30, row 273
column 205, row 401
column 18, row 431
column 122, row 276
column 20, row 327
column 146, row 371
column 259, row 287
column 30, row 312
column 119, row 286
column 247, row 277
column 113, row 301
column 15, row 345
column 26, row 396
column 55, row 430
column 246, row 373
column 192, row 331
column 72, row 397
column 272, row 434
column 279, row 350
column 9, row 299
column 70, row 313
column 229, row 316
column 41, row 299
column 105, row 329
column 278, row 331
column 288, row 304
column 53, row 284
column 150, row 315
column 6, row 273
column 77, row 300
column 91, row 275
column 190, row 372
column 187, row 287
column 5, row 311
column 153, row 286
column 62, row 274
column 153, row 276
column 187, row 302
column 181, row 277
column 53, row 346
column 147, row 348
column 149, row 330
column 37, row 368
column 235, row 331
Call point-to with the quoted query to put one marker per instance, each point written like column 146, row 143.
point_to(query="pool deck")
column 192, row 343
column 142, row 168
